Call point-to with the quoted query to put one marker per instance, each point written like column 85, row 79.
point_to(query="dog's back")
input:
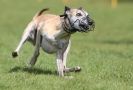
column 49, row 23
column 40, row 17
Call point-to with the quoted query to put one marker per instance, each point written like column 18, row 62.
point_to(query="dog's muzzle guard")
column 84, row 27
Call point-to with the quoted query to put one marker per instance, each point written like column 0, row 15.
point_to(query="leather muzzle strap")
column 66, row 24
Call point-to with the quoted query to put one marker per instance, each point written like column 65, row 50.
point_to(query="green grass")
column 105, row 55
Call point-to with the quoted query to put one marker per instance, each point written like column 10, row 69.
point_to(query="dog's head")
column 79, row 19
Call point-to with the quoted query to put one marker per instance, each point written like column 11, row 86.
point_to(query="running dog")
column 52, row 33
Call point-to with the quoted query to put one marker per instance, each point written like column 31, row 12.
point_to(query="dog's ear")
column 80, row 8
column 67, row 11
column 67, row 8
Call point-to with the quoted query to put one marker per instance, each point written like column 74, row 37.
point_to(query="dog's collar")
column 66, row 24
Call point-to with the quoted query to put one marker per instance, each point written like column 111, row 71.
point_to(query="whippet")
column 52, row 33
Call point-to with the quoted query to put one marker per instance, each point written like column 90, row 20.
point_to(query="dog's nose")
column 90, row 23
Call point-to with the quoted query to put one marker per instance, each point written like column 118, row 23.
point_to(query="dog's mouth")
column 86, row 28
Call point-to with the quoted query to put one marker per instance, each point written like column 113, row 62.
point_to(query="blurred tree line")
column 110, row 0
column 125, row 0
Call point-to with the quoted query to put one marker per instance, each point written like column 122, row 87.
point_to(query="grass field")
column 105, row 55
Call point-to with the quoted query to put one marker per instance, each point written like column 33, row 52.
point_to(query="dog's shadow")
column 32, row 70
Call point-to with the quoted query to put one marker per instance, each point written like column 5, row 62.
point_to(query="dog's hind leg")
column 36, row 51
column 25, row 36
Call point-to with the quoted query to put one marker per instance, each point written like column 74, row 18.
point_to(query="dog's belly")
column 48, row 47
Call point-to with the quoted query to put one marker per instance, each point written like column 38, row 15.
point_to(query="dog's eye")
column 78, row 14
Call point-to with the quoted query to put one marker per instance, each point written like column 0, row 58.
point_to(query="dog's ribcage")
column 50, row 44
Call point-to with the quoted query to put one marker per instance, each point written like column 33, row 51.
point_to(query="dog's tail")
column 40, row 12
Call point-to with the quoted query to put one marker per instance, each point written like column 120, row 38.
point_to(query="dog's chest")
column 51, row 45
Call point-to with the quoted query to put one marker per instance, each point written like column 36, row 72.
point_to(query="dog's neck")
column 66, row 25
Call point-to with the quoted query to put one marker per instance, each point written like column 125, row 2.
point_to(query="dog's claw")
column 14, row 54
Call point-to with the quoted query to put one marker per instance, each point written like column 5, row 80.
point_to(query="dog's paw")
column 14, row 54
column 73, row 69
column 77, row 69
column 28, row 65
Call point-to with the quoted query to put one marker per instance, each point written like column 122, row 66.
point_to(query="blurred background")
column 112, row 17
column 105, row 54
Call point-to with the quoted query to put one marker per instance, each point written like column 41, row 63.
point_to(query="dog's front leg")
column 66, row 69
column 65, row 54
column 59, row 61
